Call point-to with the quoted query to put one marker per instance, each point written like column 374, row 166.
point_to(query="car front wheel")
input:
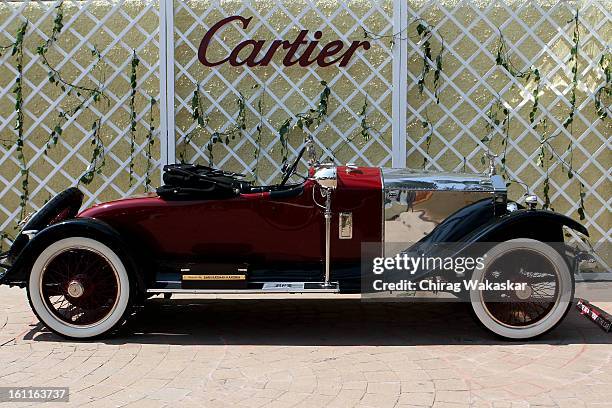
column 535, row 306
column 79, row 288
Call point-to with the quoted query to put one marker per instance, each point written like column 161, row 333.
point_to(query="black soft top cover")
column 193, row 181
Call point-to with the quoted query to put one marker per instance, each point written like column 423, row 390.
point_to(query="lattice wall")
column 538, row 35
column 115, row 29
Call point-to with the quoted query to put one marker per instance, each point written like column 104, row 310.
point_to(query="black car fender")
column 92, row 228
column 63, row 206
column 543, row 225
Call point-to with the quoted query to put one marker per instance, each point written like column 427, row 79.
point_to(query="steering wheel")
column 291, row 169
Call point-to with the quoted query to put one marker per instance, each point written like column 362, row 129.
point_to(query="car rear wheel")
column 536, row 306
column 79, row 288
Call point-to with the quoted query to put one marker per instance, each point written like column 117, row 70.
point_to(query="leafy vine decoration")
column 202, row 119
column 85, row 94
column 304, row 120
column 98, row 156
column 259, row 131
column 19, row 122
column 503, row 59
column 604, row 92
column 543, row 161
column 133, row 85
column 426, row 124
column 150, row 141
column 498, row 116
column 16, row 48
column 365, row 129
column 569, row 121
column 425, row 33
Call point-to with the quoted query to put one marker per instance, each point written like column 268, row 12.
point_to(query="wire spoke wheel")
column 80, row 286
column 535, row 289
column 520, row 308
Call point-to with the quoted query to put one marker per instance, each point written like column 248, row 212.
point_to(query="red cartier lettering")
column 330, row 53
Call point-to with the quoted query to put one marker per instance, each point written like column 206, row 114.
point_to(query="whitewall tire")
column 520, row 320
column 79, row 288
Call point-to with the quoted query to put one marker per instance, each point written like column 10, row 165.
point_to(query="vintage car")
column 209, row 231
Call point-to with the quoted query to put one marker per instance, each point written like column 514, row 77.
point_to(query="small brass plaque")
column 346, row 225
column 213, row 277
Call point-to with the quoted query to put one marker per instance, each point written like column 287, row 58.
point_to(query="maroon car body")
column 251, row 227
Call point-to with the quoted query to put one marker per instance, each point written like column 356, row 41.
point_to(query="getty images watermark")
column 411, row 265
column 34, row 394
column 515, row 271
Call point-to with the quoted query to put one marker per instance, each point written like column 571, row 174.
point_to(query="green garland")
column 497, row 115
column 424, row 32
column 133, row 85
column 150, row 140
column 16, row 48
column 98, row 156
column 363, row 123
column 201, row 119
column 569, row 121
column 304, row 120
column 85, row 94
column 502, row 59
column 230, row 134
column 258, row 131
column 365, row 129
column 604, row 92
column 19, row 122
column 426, row 124
column 545, row 165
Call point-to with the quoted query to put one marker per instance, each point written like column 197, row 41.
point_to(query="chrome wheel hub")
column 75, row 289
column 525, row 293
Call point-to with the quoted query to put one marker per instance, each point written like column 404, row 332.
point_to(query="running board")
column 260, row 288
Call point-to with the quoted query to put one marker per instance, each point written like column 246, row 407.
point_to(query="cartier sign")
column 254, row 53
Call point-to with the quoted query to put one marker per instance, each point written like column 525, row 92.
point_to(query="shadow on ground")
column 320, row 322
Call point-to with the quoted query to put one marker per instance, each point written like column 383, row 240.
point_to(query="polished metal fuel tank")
column 415, row 202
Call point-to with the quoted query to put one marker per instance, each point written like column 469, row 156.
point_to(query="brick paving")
column 303, row 352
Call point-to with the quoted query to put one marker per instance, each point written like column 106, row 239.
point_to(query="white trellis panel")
column 286, row 91
column 538, row 34
column 115, row 28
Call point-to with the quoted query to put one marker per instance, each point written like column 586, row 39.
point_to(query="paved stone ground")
column 308, row 353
